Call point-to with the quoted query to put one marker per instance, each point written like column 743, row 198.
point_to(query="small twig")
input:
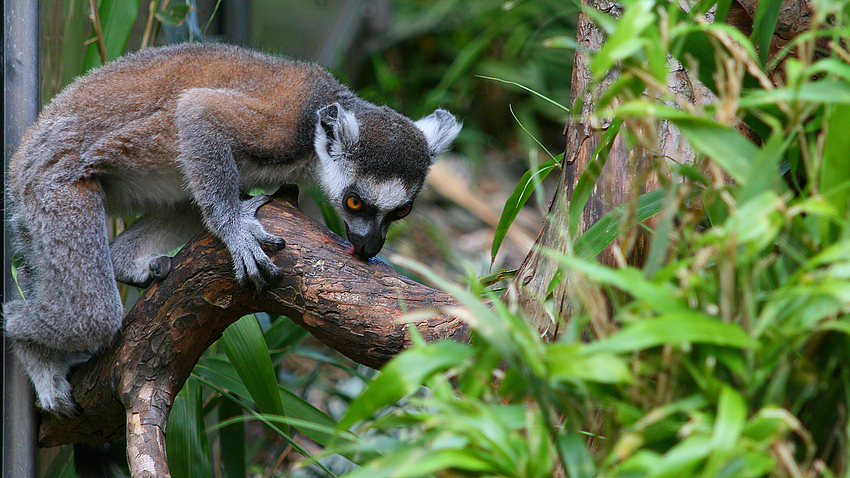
column 98, row 31
column 146, row 38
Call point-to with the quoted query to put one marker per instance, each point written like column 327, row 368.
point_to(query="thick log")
column 352, row 305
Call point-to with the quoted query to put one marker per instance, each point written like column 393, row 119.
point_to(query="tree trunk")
column 354, row 306
column 627, row 173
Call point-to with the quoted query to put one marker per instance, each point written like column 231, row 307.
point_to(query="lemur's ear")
column 340, row 126
column 440, row 129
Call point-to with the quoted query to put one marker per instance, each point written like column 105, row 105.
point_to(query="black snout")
column 366, row 246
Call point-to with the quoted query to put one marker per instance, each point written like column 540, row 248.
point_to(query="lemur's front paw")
column 252, row 266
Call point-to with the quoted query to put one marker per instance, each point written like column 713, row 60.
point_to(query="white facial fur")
column 335, row 172
column 385, row 195
column 337, row 135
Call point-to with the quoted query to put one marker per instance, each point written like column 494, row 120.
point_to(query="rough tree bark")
column 352, row 305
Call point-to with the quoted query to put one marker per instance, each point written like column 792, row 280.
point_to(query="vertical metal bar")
column 20, row 105
column 236, row 21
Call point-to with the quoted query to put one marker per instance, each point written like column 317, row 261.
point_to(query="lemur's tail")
column 97, row 461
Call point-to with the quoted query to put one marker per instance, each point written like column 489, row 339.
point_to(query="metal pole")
column 20, row 105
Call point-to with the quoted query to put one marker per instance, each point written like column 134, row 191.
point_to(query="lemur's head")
column 372, row 163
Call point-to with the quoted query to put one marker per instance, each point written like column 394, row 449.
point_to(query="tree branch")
column 350, row 304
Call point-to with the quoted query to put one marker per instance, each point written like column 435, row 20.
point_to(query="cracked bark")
column 352, row 305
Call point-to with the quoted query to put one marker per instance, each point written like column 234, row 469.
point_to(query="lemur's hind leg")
column 48, row 370
column 139, row 253
column 71, row 306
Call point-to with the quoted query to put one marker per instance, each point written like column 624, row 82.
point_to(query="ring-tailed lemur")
column 177, row 134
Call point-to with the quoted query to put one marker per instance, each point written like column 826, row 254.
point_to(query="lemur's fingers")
column 250, row 205
column 249, row 209
column 252, row 264
column 253, row 270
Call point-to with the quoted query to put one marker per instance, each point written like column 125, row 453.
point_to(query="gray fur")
column 179, row 135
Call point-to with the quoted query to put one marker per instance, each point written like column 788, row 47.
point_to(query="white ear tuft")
column 440, row 129
column 340, row 127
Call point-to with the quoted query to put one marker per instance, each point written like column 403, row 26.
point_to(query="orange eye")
column 353, row 203
column 402, row 211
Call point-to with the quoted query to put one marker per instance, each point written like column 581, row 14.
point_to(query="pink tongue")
column 351, row 250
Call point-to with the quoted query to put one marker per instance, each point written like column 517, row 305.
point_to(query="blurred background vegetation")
column 724, row 355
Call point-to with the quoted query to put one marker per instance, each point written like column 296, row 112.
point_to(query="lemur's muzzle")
column 366, row 246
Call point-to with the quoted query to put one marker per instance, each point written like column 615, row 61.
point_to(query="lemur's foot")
column 160, row 268
column 56, row 397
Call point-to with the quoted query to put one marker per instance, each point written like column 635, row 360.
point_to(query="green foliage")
column 726, row 352
column 448, row 53
column 186, row 441
column 117, row 18
column 240, row 384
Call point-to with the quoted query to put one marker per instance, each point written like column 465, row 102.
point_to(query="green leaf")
column 627, row 39
column 464, row 60
column 728, row 425
column 590, row 175
column 730, row 420
column 724, row 145
column 577, row 460
column 764, row 24
column 722, row 10
column 245, row 346
column 628, row 279
column 535, row 93
column 756, row 222
column 283, row 336
column 410, row 462
column 828, row 91
column 572, row 362
column 603, row 232
column 186, row 440
column 832, row 66
column 675, row 328
column 329, row 214
column 835, row 173
column 696, row 43
column 683, row 458
column 116, row 19
column 765, row 174
column 174, row 14
column 232, row 439
column 221, row 372
column 403, row 375
column 517, row 200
